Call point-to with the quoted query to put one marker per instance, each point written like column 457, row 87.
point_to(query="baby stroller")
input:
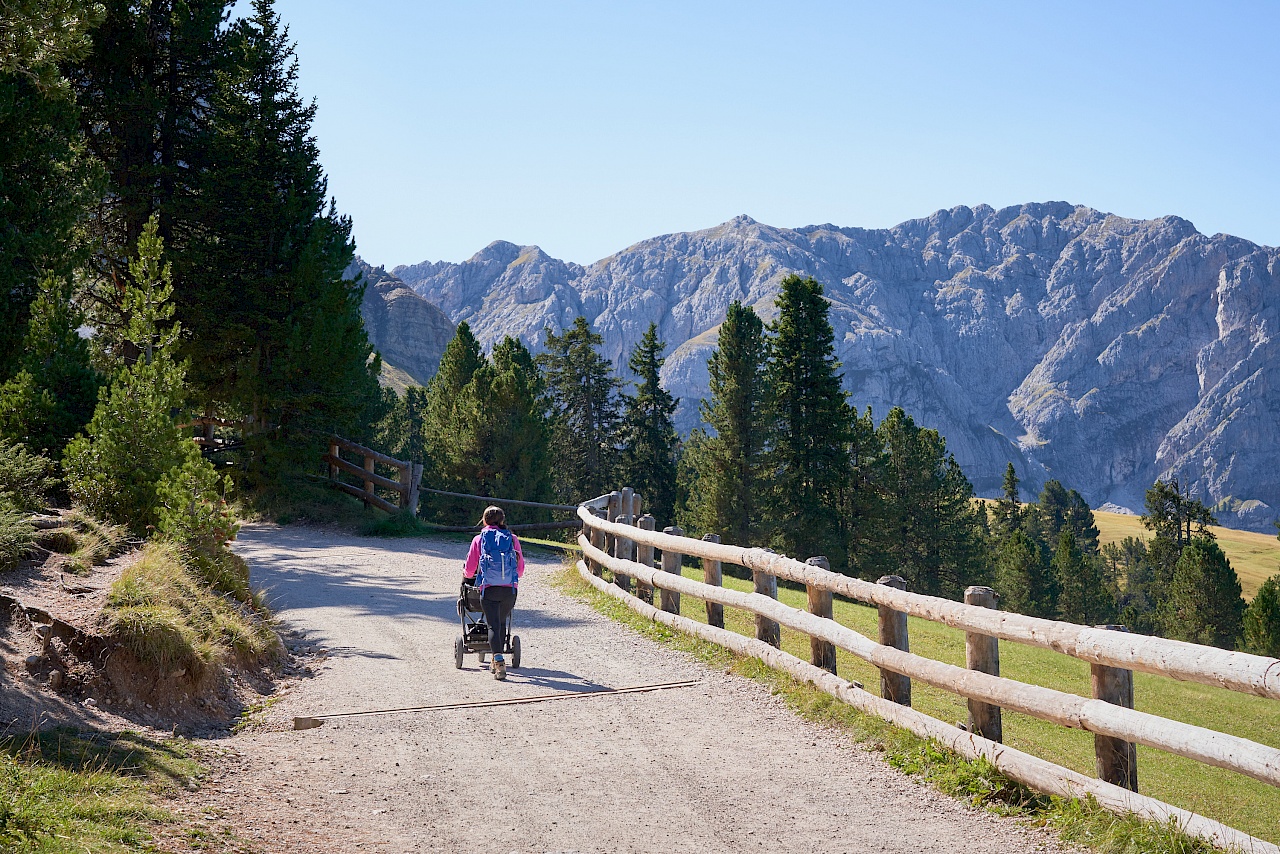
column 475, row 631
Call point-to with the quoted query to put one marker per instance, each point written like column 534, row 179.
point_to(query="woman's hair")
column 495, row 517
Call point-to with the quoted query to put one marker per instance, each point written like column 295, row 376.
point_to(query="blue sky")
column 585, row 127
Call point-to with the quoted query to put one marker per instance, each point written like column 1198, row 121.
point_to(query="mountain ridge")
column 1097, row 349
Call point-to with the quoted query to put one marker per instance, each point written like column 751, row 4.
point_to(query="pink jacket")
column 473, row 556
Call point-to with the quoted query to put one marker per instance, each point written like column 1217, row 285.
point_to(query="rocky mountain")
column 406, row 329
column 1083, row 346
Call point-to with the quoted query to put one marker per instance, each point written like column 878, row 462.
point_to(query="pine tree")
column 1082, row 595
column 1008, row 509
column 649, row 439
column 582, row 396
column 1023, row 578
column 728, row 464
column 53, row 395
column 1203, row 604
column 1060, row 509
column 147, row 89
column 132, row 441
column 449, row 461
column 1262, row 620
column 931, row 535
column 276, row 336
column 504, row 436
column 810, row 426
column 47, row 181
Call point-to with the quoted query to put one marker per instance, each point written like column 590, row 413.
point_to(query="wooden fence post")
column 711, row 574
column 644, row 555
column 612, row 511
column 333, row 452
column 598, row 540
column 670, row 599
column 767, row 630
column 415, row 481
column 622, row 547
column 821, row 653
column 1115, row 760
column 894, row 687
column 406, row 486
column 982, row 653
column 368, row 484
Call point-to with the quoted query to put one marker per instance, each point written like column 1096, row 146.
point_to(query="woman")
column 496, row 564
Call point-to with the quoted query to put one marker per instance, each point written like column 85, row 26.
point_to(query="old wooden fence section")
column 618, row 537
column 404, row 486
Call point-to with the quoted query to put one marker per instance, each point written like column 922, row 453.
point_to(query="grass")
column 17, row 536
column 1237, row 801
column 170, row 620
column 1255, row 557
column 86, row 541
column 61, row 792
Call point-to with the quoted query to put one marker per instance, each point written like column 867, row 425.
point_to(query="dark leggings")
column 498, row 603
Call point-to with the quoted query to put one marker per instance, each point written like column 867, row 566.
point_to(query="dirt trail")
column 722, row 766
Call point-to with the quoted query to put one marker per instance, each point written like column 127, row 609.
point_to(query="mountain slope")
column 407, row 330
column 1103, row 351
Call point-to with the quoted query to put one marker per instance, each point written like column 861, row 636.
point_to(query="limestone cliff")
column 1103, row 351
column 406, row 329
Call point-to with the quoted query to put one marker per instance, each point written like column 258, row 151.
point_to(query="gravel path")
column 722, row 766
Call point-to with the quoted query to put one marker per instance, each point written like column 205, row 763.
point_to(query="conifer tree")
column 1262, row 620
column 1023, row 579
column 582, row 397
column 1008, row 509
column 449, row 461
column 1203, row 604
column 649, row 439
column 931, row 535
column 1060, row 509
column 810, row 426
column 728, row 464
column 115, row 468
column 1082, row 595
column 53, row 395
column 276, row 335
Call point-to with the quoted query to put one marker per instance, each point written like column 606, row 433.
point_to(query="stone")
column 409, row 332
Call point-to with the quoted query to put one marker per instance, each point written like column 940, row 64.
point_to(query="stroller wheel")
column 459, row 649
column 483, row 656
column 515, row 652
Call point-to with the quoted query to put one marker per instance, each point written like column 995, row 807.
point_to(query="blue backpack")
column 497, row 559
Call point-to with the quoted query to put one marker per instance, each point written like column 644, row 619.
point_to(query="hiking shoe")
column 499, row 669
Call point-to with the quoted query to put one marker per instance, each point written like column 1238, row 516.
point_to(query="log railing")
column 405, row 485
column 609, row 540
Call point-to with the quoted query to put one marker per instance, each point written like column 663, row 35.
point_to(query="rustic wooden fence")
column 404, row 485
column 616, row 536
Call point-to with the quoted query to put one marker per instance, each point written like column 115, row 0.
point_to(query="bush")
column 17, row 535
column 26, row 479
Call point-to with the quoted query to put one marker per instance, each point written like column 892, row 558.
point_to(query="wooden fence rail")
column 1113, row 655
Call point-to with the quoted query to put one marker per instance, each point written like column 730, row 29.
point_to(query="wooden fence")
column 617, row 537
column 405, row 485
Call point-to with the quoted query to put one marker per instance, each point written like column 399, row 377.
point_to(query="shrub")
column 26, row 479
column 17, row 535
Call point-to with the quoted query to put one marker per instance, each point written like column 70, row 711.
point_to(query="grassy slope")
column 1255, row 557
column 1247, row 804
column 60, row 792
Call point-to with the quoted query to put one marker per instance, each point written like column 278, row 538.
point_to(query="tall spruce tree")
column 810, row 426
column 1060, row 509
column 649, row 439
column 147, row 89
column 1203, row 604
column 931, row 534
column 1023, row 578
column 582, row 397
column 1008, row 509
column 449, row 463
column 728, row 464
column 276, row 336
column 48, row 183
